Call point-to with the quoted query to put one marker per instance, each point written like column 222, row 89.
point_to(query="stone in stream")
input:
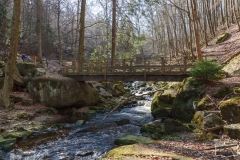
column 80, row 123
column 132, row 139
column 122, row 122
column 154, row 127
column 7, row 144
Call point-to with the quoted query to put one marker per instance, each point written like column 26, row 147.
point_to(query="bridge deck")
column 131, row 71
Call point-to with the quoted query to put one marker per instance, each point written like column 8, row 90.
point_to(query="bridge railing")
column 132, row 66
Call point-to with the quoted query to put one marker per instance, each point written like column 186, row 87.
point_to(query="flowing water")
column 89, row 142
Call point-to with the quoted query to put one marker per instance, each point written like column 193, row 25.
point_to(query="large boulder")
column 205, row 104
column 223, row 37
column 61, row 92
column 162, row 103
column 153, row 127
column 182, row 107
column 230, row 110
column 17, row 78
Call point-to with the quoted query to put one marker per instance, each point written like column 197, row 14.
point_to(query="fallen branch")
column 204, row 131
column 221, row 147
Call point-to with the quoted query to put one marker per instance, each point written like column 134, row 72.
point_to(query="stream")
column 91, row 141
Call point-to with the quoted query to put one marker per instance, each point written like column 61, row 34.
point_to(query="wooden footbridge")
column 131, row 70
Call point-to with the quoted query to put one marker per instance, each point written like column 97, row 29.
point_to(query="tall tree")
column 81, row 37
column 12, row 56
column 114, row 30
column 59, row 32
column 196, row 29
column 39, row 29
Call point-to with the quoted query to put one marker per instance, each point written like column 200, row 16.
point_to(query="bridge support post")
column 145, row 69
column 163, row 65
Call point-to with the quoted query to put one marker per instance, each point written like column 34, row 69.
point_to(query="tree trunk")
column 235, row 14
column 39, row 30
column 59, row 33
column 114, row 28
column 11, row 59
column 196, row 29
column 81, row 37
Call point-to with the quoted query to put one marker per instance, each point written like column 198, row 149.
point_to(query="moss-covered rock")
column 61, row 92
column 162, row 103
column 154, row 127
column 141, row 151
column 230, row 110
column 26, row 69
column 233, row 131
column 172, row 126
column 132, row 139
column 236, row 90
column 223, row 37
column 205, row 104
column 206, row 119
column 80, row 123
column 7, row 144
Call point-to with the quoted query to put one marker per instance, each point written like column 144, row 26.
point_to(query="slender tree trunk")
column 226, row 13
column 11, row 59
column 81, row 37
column 59, row 33
column 235, row 14
column 114, row 28
column 196, row 29
column 39, row 29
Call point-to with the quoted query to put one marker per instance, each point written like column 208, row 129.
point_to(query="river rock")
column 122, row 122
column 61, row 92
column 132, row 139
column 7, row 144
column 172, row 126
column 162, row 103
column 230, row 110
column 154, row 127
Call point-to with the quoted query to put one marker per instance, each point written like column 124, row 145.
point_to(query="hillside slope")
column 224, row 51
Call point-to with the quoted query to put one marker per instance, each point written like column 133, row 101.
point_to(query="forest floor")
column 187, row 144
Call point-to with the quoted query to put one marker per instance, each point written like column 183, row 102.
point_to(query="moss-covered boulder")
column 236, row 90
column 230, row 110
column 61, row 92
column 80, row 123
column 154, row 127
column 205, row 104
column 172, row 126
column 206, row 119
column 7, row 144
column 26, row 69
column 223, row 37
column 140, row 152
column 183, row 108
column 132, row 139
column 233, row 131
column 162, row 103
